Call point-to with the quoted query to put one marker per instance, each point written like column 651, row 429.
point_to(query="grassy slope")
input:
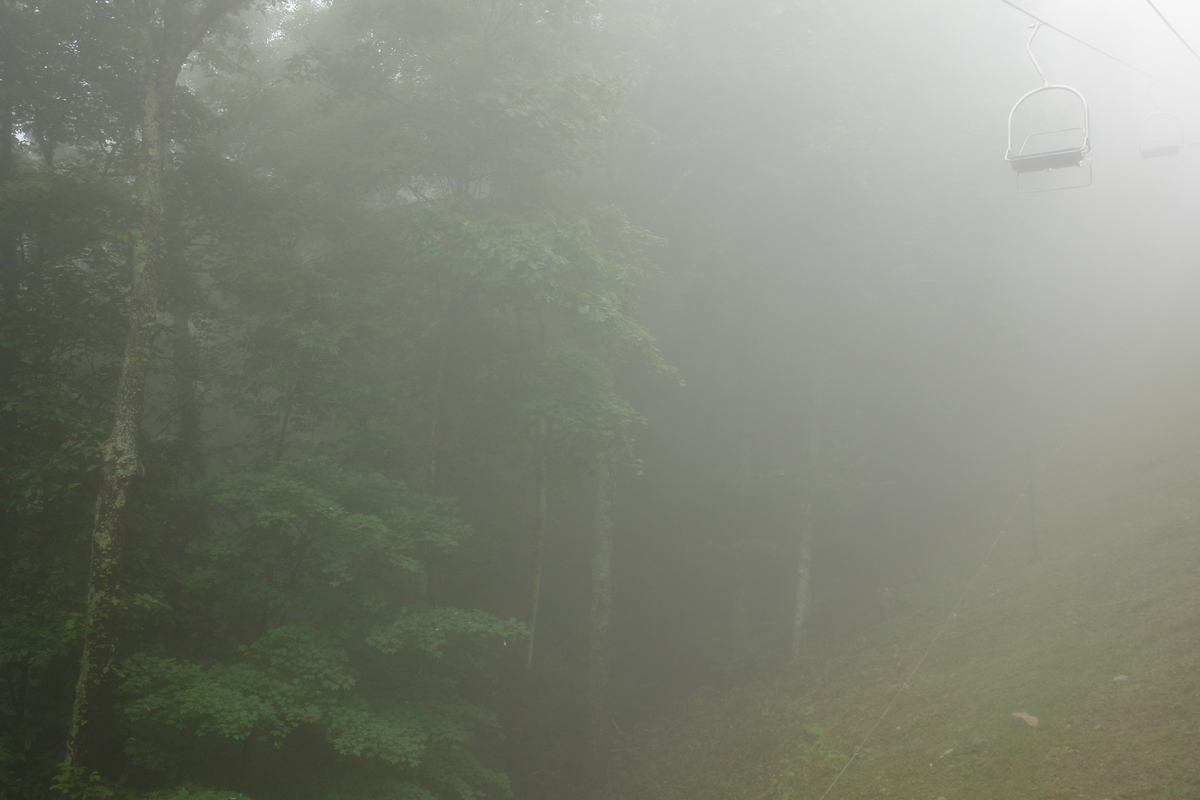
column 1116, row 592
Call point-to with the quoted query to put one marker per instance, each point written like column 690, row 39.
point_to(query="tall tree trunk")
column 804, row 559
column 120, row 466
column 10, row 255
column 165, row 35
column 598, row 653
column 17, row 738
column 539, row 537
column 6, row 104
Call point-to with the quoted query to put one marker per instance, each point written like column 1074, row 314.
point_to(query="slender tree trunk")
column 10, row 358
column 1033, row 521
column 281, row 439
column 742, row 559
column 439, row 385
column 10, row 260
column 804, row 559
column 6, row 116
column 187, row 401
column 739, row 597
column 598, row 653
column 539, row 537
column 803, row 583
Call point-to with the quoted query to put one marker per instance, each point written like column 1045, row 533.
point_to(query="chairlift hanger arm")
column 1037, row 26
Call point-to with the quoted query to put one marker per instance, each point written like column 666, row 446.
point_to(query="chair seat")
column 1048, row 159
column 1161, row 151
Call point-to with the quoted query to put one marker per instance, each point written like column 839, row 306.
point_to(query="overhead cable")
column 1087, row 45
column 1172, row 28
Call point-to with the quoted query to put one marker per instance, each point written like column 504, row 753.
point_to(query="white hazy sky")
column 1129, row 30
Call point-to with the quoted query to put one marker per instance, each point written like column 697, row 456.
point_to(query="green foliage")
column 320, row 571
column 573, row 394
column 379, row 253
column 192, row 792
column 277, row 683
column 345, row 526
column 429, row 630
column 496, row 102
column 77, row 782
column 57, row 332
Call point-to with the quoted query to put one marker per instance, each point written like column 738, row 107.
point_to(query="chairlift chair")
column 1160, row 140
column 1056, row 158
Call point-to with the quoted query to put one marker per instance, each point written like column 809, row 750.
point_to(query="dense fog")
column 401, row 397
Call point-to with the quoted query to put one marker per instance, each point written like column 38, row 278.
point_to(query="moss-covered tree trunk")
column 165, row 34
column 120, row 465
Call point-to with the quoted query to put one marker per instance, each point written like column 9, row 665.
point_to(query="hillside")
column 1099, row 640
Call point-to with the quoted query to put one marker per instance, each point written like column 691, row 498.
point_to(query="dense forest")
column 401, row 398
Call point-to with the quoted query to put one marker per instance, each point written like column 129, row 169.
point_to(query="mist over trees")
column 398, row 398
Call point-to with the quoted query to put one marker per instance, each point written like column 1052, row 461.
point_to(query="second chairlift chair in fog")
column 1160, row 140
column 1052, row 132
